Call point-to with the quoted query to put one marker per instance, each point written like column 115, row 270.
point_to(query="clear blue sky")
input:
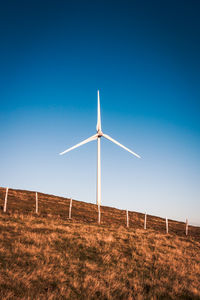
column 144, row 58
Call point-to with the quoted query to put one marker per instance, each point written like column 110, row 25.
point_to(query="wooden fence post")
column 127, row 219
column 166, row 225
column 186, row 227
column 5, row 202
column 70, row 209
column 145, row 221
column 36, row 203
column 99, row 215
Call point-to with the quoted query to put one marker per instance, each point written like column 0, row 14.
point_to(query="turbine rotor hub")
column 99, row 133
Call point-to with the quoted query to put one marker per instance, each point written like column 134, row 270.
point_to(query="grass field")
column 48, row 256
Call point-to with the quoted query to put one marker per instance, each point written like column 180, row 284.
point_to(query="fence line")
column 99, row 213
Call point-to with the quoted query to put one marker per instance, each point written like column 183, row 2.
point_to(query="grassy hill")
column 48, row 256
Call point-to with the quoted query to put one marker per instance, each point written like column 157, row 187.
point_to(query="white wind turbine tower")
column 97, row 137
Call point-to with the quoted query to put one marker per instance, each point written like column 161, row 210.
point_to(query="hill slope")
column 48, row 256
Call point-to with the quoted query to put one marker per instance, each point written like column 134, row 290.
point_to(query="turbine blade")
column 120, row 145
column 98, row 113
column 92, row 138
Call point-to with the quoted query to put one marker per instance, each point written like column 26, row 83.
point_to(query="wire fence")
column 77, row 211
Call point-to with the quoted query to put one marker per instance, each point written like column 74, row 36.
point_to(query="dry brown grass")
column 50, row 257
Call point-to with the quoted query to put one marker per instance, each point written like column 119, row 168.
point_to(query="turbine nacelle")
column 99, row 133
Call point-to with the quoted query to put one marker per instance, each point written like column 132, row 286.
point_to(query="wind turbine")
column 97, row 137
